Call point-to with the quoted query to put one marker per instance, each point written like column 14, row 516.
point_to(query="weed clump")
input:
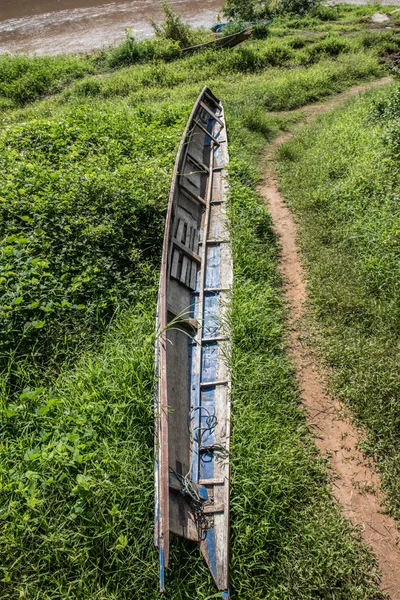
column 173, row 28
column 131, row 52
column 330, row 46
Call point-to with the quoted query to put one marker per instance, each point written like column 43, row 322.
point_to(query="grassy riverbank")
column 329, row 31
column 84, row 180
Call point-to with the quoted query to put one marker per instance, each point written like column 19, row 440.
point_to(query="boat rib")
column 192, row 473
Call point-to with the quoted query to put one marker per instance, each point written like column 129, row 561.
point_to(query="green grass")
column 257, row 67
column 82, row 205
column 76, row 474
column 24, row 79
column 341, row 177
column 77, row 464
column 85, row 179
column 84, row 183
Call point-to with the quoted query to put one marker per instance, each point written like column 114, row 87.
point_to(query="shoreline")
column 90, row 28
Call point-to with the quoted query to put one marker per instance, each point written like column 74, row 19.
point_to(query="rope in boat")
column 200, row 432
column 191, row 494
column 214, row 449
column 189, row 490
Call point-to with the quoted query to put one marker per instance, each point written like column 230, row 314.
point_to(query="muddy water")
column 54, row 26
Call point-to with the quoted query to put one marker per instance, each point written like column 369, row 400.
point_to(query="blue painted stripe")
column 156, row 441
column 211, row 314
column 203, row 401
column 162, row 571
column 208, row 438
column 209, row 362
column 211, row 550
column 213, row 266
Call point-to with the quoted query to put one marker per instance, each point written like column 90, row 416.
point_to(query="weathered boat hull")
column 227, row 41
column 245, row 25
column 193, row 344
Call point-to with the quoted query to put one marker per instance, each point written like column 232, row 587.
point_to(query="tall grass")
column 83, row 198
column 269, row 86
column 341, row 177
column 132, row 52
column 173, row 28
column 24, row 79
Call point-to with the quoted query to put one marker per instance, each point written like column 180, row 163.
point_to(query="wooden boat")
column 192, row 472
column 227, row 41
column 219, row 27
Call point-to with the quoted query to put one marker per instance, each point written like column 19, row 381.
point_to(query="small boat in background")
column 227, row 41
column 219, row 27
column 192, row 406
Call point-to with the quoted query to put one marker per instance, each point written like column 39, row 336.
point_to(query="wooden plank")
column 188, row 235
column 210, row 112
column 213, row 481
column 183, row 238
column 188, row 242
column 191, row 194
column 210, row 242
column 193, row 276
column 210, row 135
column 179, row 231
column 175, row 263
column 187, row 251
column 213, row 508
column 204, row 384
column 185, row 266
column 195, row 241
column 197, row 163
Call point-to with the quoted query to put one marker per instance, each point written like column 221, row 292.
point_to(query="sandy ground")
column 356, row 484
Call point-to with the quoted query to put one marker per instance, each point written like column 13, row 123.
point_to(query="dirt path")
column 357, row 486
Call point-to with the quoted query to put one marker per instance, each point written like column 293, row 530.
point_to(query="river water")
column 54, row 26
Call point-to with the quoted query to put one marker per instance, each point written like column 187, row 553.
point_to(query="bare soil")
column 356, row 484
